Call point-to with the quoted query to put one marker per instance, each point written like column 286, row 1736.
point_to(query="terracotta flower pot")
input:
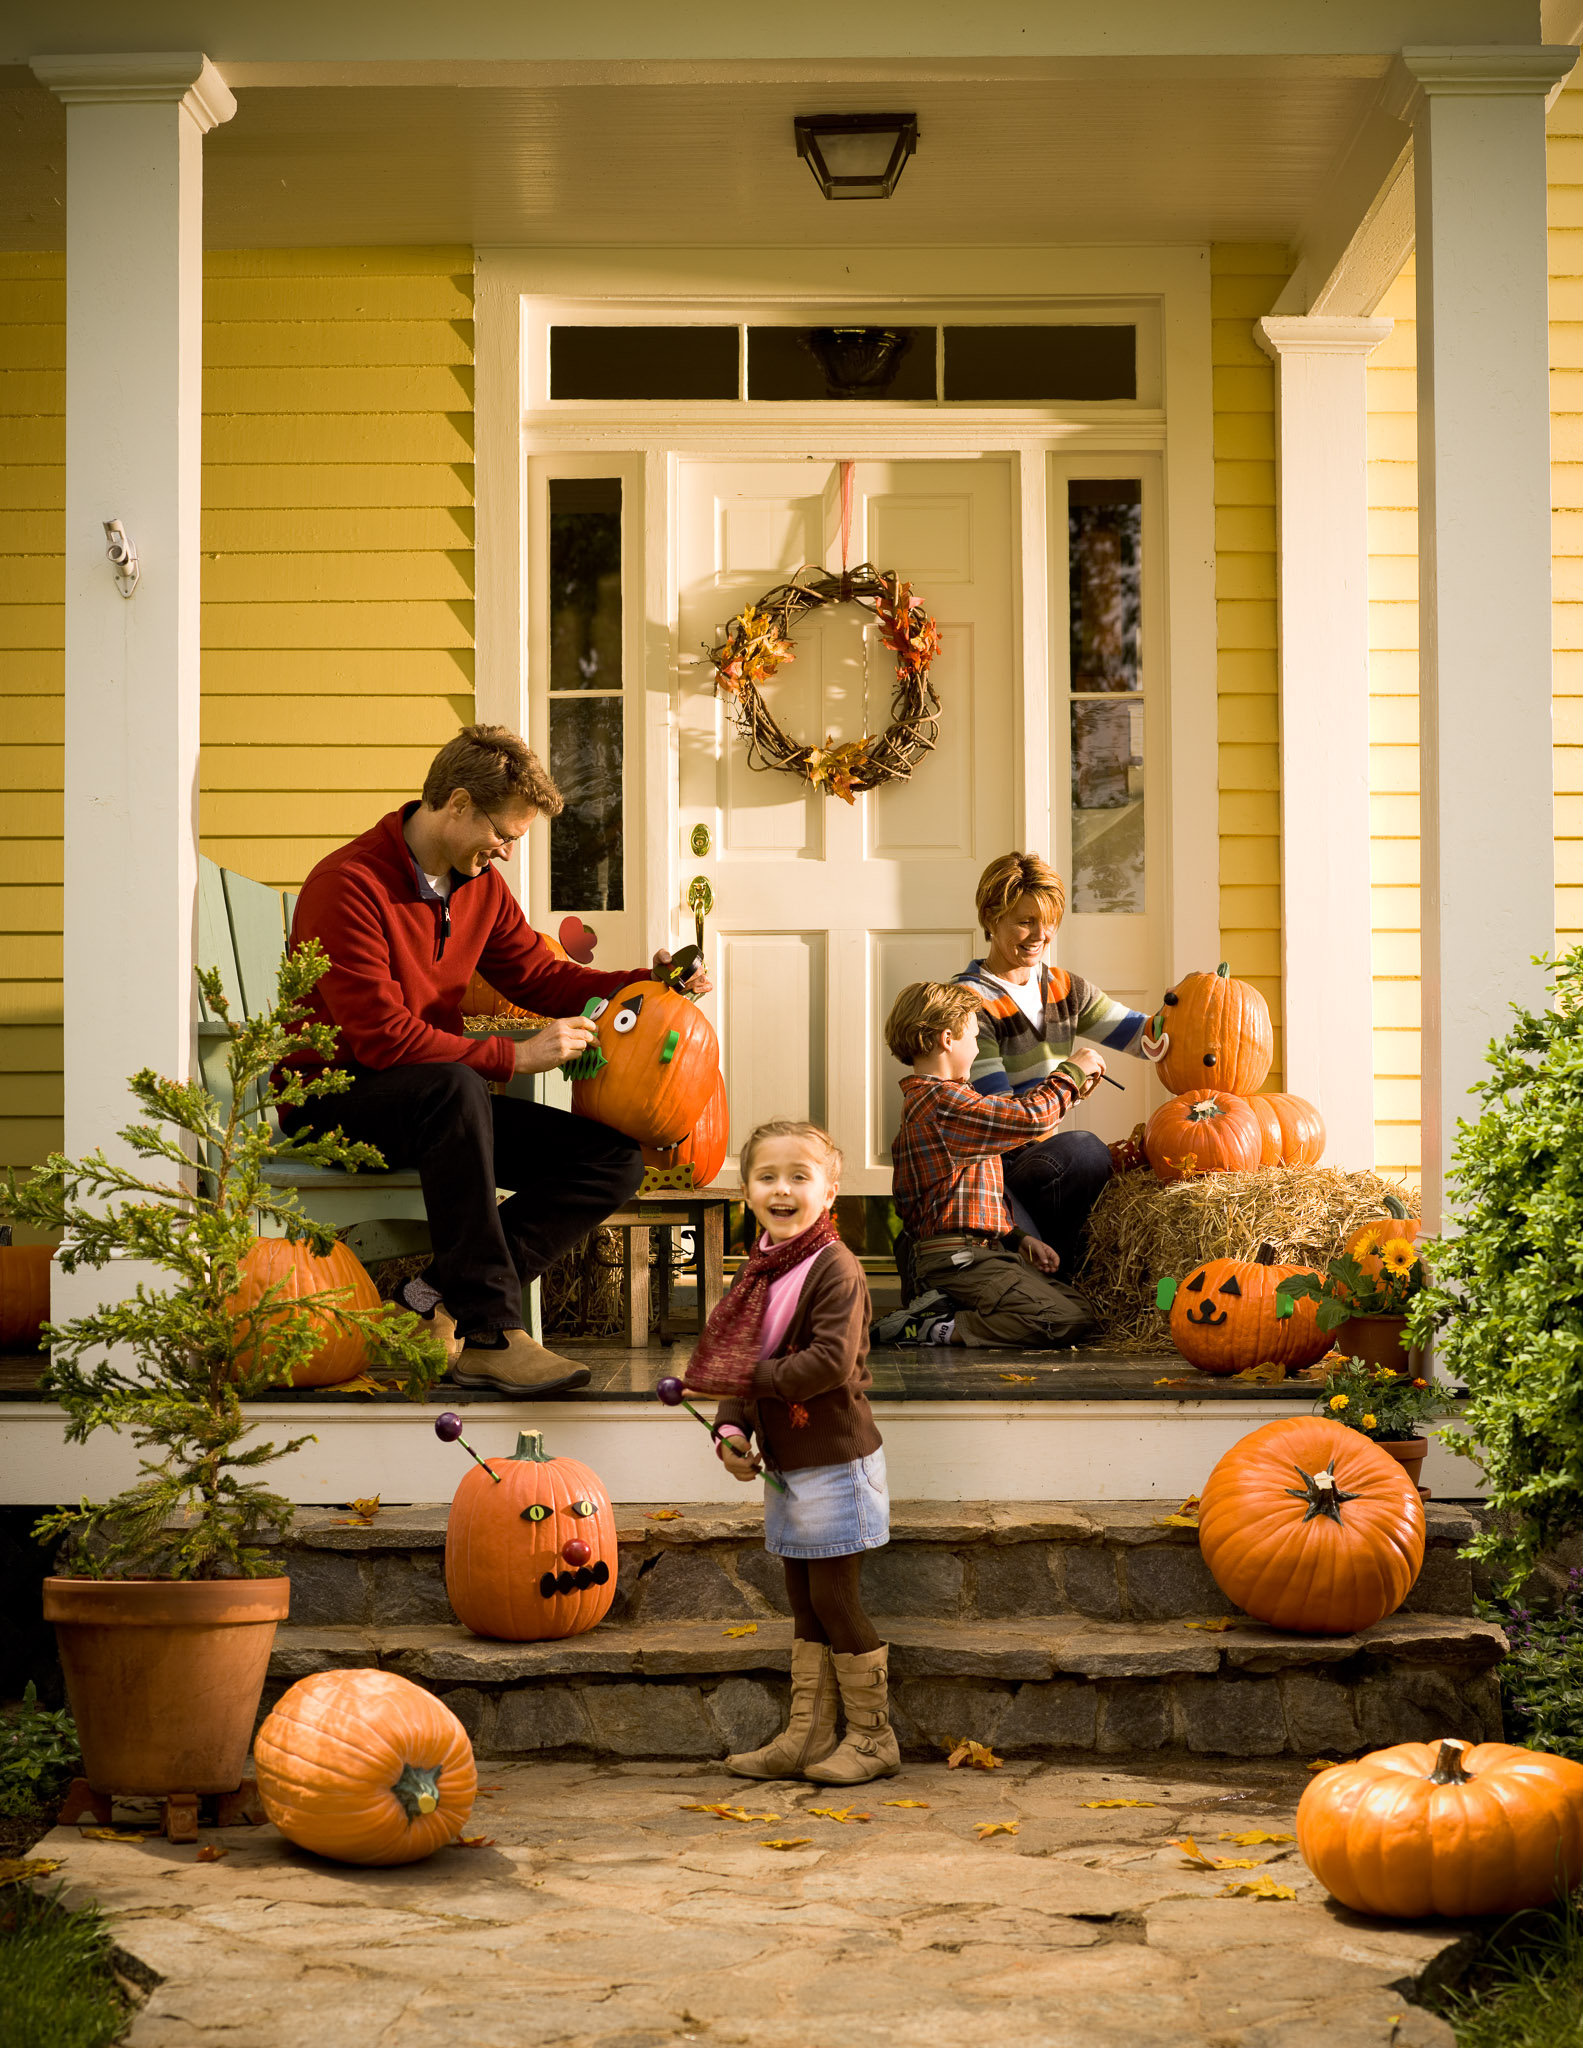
column 164, row 1676
column 1408, row 1451
column 1377, row 1341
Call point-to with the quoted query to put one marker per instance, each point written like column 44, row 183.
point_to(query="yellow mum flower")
column 1369, row 1422
column 1338, row 1400
column 1398, row 1256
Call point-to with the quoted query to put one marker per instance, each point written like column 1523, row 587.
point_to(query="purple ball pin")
column 448, row 1428
column 670, row 1391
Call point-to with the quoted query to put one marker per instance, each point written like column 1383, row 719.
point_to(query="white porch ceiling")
column 1133, row 151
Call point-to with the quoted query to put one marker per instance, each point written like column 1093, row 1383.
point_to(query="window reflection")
column 586, row 705
column 1104, row 540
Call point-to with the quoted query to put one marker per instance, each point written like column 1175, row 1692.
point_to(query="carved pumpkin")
column 1220, row 1034
column 1292, row 1129
column 652, row 1069
column 297, row 1271
column 699, row 1157
column 365, row 1767
column 530, row 1555
column 1227, row 1315
column 24, row 1293
column 1309, row 1526
column 1445, row 1828
column 1204, row 1132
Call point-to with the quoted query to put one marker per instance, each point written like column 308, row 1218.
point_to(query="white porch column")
column 134, row 361
column 1326, row 965
column 1486, row 824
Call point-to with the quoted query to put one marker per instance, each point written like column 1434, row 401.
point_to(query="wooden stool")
column 665, row 1211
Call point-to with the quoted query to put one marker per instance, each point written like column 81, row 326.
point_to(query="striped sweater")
column 1013, row 1057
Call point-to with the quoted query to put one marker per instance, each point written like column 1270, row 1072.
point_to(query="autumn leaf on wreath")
column 846, row 1815
column 978, row 1754
column 1258, row 1888
column 791, row 1842
column 986, row 1828
column 1118, row 1802
column 1250, row 1838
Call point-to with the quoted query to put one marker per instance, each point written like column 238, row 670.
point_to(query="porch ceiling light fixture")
column 856, row 156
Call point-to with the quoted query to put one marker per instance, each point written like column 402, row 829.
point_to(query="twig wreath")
column 759, row 641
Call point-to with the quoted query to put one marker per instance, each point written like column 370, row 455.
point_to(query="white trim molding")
column 141, row 77
column 1322, row 526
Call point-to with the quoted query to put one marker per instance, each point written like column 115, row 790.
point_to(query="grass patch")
column 1528, row 1991
column 57, row 1986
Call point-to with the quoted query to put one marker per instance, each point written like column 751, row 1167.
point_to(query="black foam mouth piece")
column 574, row 1581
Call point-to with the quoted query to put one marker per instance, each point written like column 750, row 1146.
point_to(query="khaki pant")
column 1000, row 1299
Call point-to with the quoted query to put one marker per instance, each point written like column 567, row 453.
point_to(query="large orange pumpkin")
column 365, row 1767
column 652, row 1069
column 24, row 1293
column 1335, row 1551
column 1365, row 1242
column 1292, row 1129
column 530, row 1555
column 1227, row 1315
column 699, row 1157
column 1220, row 1034
column 1445, row 1828
column 276, row 1261
column 1203, row 1132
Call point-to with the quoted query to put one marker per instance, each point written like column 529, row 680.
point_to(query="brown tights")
column 826, row 1604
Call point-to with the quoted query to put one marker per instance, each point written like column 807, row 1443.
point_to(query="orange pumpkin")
column 479, row 999
column 1204, row 1132
column 699, row 1157
column 1445, row 1828
column 1365, row 1243
column 1335, row 1552
column 276, row 1261
column 365, row 1767
column 1227, row 1315
column 530, row 1554
column 652, row 1069
column 24, row 1293
column 1292, row 1129
column 1220, row 1034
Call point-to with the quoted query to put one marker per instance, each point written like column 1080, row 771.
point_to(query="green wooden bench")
column 243, row 927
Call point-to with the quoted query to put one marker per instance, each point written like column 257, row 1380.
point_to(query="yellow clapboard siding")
column 33, row 721
column 334, row 345
column 1393, row 863
column 260, row 766
column 40, row 440
column 34, row 956
column 1249, row 671
column 31, row 1095
column 1248, row 905
column 336, row 813
column 1245, row 436
column 31, row 862
column 1233, row 344
column 1393, row 721
column 1250, row 718
column 282, row 863
column 307, row 392
column 338, row 672
column 30, row 1049
column 32, row 579
column 31, row 909
column 305, row 486
column 35, row 345
column 281, row 529
column 339, row 578
column 39, row 627
column 337, row 625
column 335, row 722
column 1239, row 389
column 1243, row 529
column 1244, row 622
column 1249, row 483
column 399, row 437
column 1240, row 574
column 1249, row 767
column 1249, row 813
column 25, row 1141
column 1250, row 860
column 1254, row 956
column 36, row 485
column 253, row 299
column 32, row 531
column 32, row 394
column 1397, row 1052
column 29, row 769
column 1568, row 778
column 288, row 267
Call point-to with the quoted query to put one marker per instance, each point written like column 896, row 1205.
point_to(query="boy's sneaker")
column 911, row 1325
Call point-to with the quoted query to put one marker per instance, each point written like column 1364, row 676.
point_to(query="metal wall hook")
column 123, row 553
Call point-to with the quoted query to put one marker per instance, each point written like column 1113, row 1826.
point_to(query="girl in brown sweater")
column 787, row 1349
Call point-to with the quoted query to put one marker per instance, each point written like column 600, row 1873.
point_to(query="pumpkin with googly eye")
column 530, row 1546
column 652, row 1069
column 1219, row 1034
column 1230, row 1313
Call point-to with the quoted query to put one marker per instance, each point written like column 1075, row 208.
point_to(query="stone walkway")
column 597, row 1912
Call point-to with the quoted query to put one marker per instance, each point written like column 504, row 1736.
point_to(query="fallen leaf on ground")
column 986, row 1828
column 746, row 1628
column 211, row 1852
column 664, row 1515
column 1200, row 1861
column 792, row 1842
column 978, row 1754
column 1186, row 1516
column 1258, row 1888
column 1018, row 1379
column 1215, row 1627
column 1174, row 1383
column 475, row 1841
column 19, row 1869
column 723, row 1812
column 845, row 1814
column 1253, row 1836
column 1118, row 1802
column 1269, row 1373
column 110, row 1835
column 906, row 1802
column 365, row 1383
column 1323, row 1763
column 366, row 1508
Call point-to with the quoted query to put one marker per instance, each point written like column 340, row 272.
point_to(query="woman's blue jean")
column 1058, row 1181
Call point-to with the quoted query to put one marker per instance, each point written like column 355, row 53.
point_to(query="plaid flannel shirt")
column 948, row 1178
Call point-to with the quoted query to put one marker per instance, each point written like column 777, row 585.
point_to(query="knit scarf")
column 728, row 1351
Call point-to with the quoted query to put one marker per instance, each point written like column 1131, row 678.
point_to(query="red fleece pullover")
column 400, row 959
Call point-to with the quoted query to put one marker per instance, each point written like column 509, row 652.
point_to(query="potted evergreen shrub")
column 165, row 1602
column 1506, row 1305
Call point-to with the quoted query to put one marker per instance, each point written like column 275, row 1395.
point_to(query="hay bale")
column 1141, row 1230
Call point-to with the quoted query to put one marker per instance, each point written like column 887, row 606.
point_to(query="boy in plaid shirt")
column 948, row 1182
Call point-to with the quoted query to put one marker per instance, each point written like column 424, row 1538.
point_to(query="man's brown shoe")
column 443, row 1326
column 519, row 1367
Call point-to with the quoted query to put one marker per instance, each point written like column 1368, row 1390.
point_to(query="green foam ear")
column 1284, row 1306
column 1164, row 1295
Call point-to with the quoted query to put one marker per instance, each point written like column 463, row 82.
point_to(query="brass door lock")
column 700, row 841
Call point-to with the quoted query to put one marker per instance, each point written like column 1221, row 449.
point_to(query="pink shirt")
column 785, row 1293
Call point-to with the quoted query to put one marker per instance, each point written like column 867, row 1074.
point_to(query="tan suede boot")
column 521, row 1366
column 869, row 1750
column 443, row 1326
column 810, row 1733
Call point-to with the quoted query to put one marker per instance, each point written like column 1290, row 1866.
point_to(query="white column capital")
column 185, row 77
column 1319, row 334
column 1474, row 71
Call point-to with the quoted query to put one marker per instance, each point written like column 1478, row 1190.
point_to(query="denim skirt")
column 829, row 1510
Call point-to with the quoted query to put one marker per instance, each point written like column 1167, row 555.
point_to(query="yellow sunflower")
column 1339, row 1400
column 1398, row 1256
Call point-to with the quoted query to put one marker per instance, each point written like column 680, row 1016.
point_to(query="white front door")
column 825, row 911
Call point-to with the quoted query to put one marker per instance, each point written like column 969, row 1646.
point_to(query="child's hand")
column 738, row 1460
column 1042, row 1257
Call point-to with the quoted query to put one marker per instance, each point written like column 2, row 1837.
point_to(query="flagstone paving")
column 597, row 1911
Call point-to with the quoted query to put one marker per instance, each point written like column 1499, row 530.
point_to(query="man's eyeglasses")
column 501, row 838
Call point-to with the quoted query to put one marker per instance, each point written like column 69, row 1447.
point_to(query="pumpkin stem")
column 418, row 1790
column 1265, row 1255
column 1202, row 1110
column 1448, row 1764
column 1224, row 970
column 530, row 1447
column 1395, row 1206
column 1322, row 1493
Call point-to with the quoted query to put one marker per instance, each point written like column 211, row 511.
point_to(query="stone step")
column 690, row 1688
column 957, row 1562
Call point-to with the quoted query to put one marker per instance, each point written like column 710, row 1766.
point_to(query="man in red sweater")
column 407, row 913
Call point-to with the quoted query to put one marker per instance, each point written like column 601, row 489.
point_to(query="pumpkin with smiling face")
column 652, row 1070
column 530, row 1547
column 1230, row 1314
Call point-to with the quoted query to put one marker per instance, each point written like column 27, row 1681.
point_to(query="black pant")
column 1058, row 1181
column 566, row 1173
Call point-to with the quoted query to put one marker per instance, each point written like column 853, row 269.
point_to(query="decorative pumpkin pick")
column 671, row 1392
column 1293, row 1130
column 294, row 1268
column 365, row 1767
column 1311, row 1527
column 448, row 1428
column 1445, row 1828
column 653, row 1067
column 530, row 1550
column 1219, row 1031
column 1206, row 1131
column 1231, row 1313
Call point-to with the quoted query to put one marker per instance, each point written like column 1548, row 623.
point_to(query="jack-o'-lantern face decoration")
column 530, row 1547
column 1230, row 1314
column 652, row 1069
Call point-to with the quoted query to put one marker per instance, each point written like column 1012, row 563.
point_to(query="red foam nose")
column 576, row 1552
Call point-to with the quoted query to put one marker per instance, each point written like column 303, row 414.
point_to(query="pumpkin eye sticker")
column 583, row 1509
column 626, row 1017
column 1230, row 1286
column 536, row 1511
